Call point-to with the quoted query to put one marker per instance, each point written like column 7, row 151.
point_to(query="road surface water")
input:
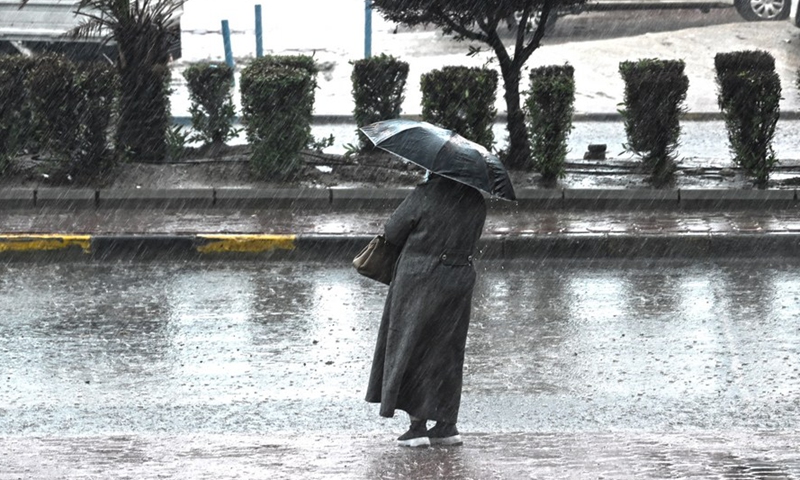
column 575, row 369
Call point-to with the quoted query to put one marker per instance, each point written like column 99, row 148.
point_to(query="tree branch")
column 493, row 40
column 462, row 30
column 536, row 41
column 522, row 29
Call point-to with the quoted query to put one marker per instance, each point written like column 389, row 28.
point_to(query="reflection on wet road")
column 178, row 359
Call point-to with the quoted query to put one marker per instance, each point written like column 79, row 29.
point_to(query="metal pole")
column 367, row 28
column 259, row 34
column 226, row 39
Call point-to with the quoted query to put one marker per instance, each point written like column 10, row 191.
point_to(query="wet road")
column 580, row 369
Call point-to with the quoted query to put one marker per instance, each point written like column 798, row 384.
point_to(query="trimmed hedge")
column 749, row 98
column 277, row 108
column 550, row 106
column 462, row 99
column 210, row 91
column 71, row 107
column 144, row 113
column 297, row 62
column 98, row 83
column 378, row 90
column 15, row 115
column 655, row 92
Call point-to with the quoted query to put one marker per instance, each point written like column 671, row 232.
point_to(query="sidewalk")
column 571, row 456
column 323, row 224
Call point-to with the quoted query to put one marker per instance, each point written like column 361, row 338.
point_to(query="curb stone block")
column 68, row 198
column 44, row 242
column 605, row 246
column 529, row 198
column 16, row 198
column 184, row 198
column 368, row 198
column 744, row 244
column 736, row 198
column 633, row 199
column 272, row 198
column 549, row 246
column 244, row 243
column 105, row 247
column 338, row 248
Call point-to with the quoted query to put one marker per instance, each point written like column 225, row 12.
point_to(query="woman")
column 419, row 356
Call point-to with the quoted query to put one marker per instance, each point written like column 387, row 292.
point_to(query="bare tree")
column 484, row 21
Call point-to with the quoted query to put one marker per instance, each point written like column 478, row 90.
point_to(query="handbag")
column 377, row 259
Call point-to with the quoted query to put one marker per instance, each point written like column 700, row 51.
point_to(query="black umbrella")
column 443, row 152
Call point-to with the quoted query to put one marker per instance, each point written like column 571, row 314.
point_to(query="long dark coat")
column 419, row 355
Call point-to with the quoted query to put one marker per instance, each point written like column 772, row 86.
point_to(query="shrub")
column 749, row 97
column 378, row 90
column 463, row 100
column 297, row 62
column 212, row 109
column 277, row 109
column 655, row 92
column 15, row 114
column 55, row 96
column 72, row 109
column 144, row 113
column 549, row 108
column 98, row 85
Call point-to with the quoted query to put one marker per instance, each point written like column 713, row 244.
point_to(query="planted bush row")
column 45, row 95
column 463, row 99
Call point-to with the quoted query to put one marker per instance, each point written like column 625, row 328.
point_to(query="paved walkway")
column 323, row 223
column 366, row 222
column 620, row 455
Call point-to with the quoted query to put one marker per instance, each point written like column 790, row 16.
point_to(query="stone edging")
column 342, row 248
column 344, row 199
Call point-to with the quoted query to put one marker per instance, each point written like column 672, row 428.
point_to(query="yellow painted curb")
column 33, row 242
column 246, row 243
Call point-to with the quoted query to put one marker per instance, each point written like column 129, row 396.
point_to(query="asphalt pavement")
column 575, row 369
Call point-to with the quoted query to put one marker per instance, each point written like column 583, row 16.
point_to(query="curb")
column 348, row 199
column 342, row 248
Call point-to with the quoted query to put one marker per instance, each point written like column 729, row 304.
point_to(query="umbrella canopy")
column 443, row 152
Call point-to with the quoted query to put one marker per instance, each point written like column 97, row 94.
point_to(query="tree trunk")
column 519, row 151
